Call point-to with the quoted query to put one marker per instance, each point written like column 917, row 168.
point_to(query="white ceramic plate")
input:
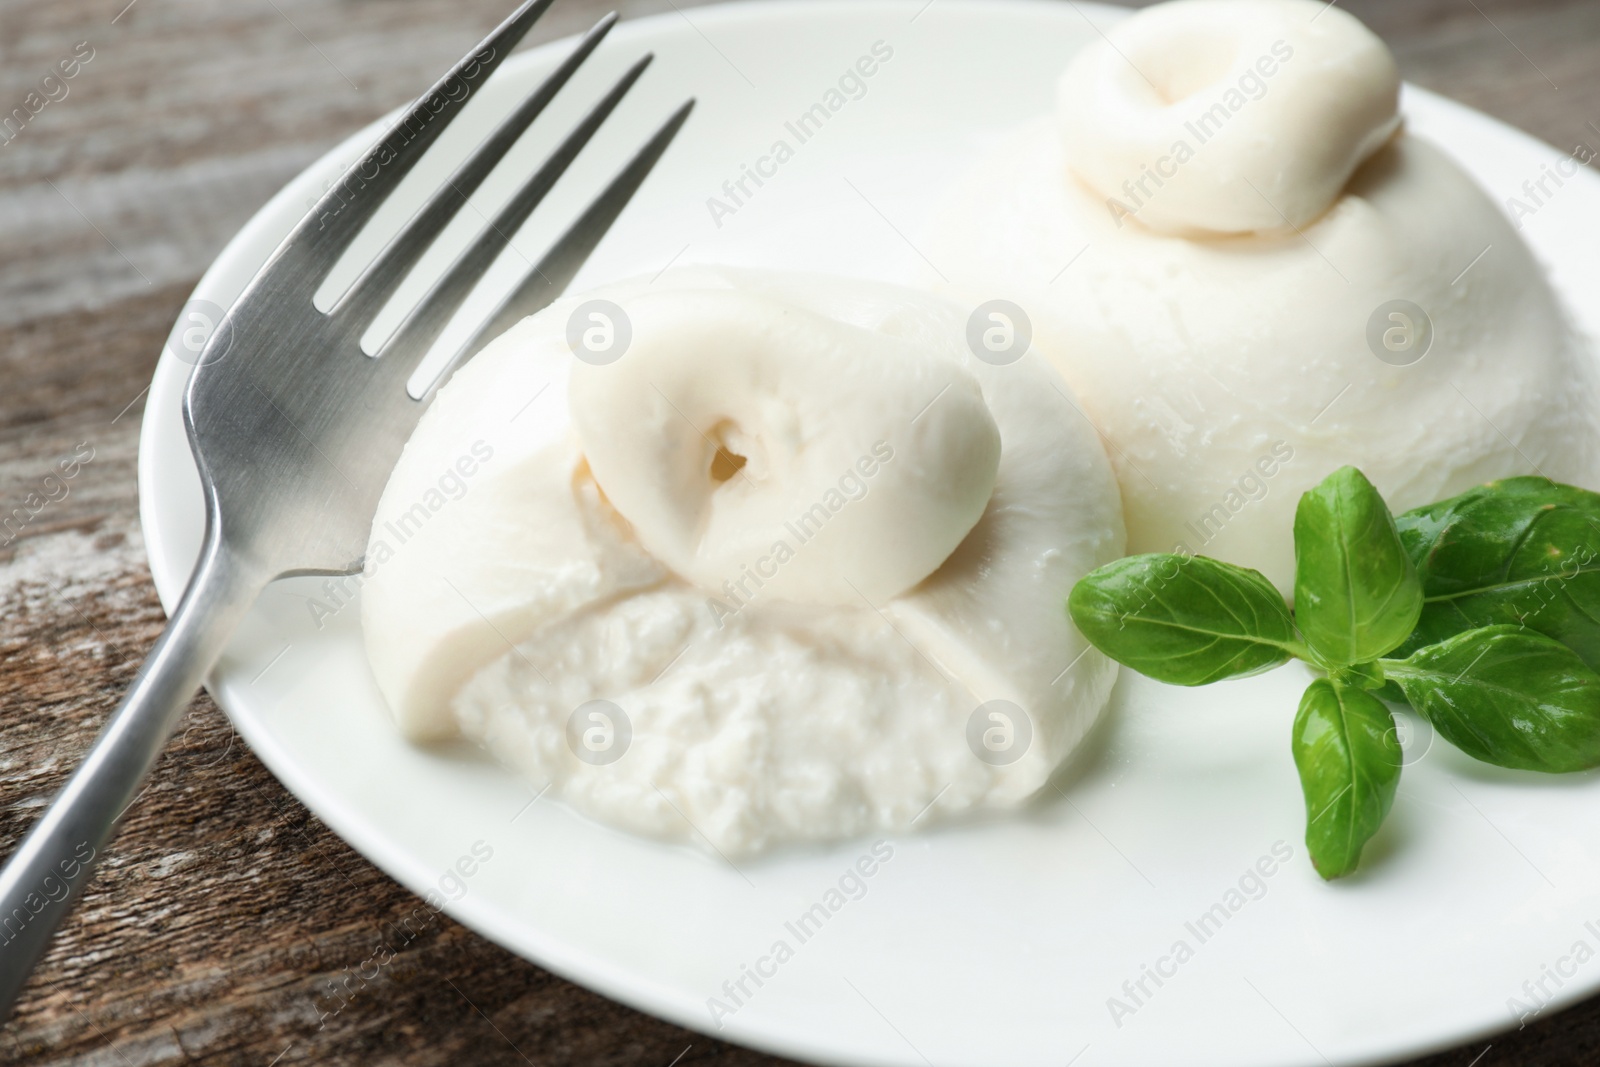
column 998, row 943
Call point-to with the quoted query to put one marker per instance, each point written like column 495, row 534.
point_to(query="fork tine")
column 339, row 216
column 555, row 271
column 376, row 283
column 423, row 324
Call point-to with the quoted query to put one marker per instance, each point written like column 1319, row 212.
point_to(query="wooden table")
column 224, row 912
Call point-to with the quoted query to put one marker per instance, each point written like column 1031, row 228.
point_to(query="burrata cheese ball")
column 1251, row 275
column 748, row 558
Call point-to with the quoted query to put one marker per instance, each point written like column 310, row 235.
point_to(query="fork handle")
column 45, row 874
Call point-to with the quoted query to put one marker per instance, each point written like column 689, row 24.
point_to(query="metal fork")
column 295, row 429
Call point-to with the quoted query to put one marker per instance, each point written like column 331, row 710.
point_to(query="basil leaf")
column 1523, row 550
column 1507, row 696
column 1348, row 753
column 1356, row 593
column 1187, row 620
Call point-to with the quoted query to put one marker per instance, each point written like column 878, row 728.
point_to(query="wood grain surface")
column 225, row 914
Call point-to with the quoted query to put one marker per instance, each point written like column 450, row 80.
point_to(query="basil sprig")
column 1452, row 607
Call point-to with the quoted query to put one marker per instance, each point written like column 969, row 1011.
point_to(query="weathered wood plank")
column 224, row 911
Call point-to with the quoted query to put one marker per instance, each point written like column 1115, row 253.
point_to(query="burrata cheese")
column 1251, row 276
column 754, row 558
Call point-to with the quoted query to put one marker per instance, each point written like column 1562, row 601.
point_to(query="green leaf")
column 1187, row 620
column 1356, row 593
column 1522, row 550
column 1348, row 753
column 1507, row 696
